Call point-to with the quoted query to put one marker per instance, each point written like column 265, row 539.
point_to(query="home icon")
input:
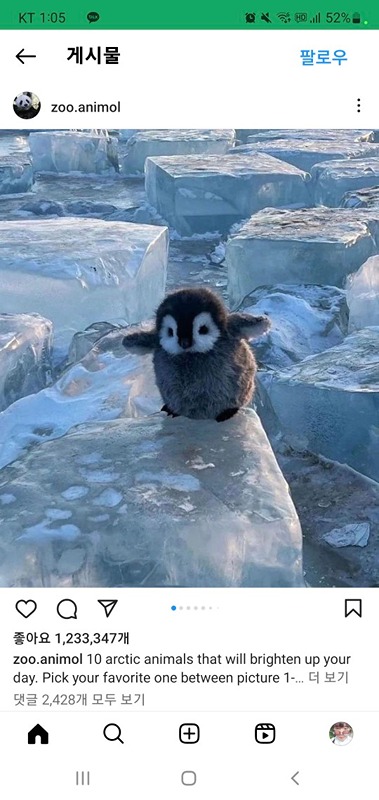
column 38, row 731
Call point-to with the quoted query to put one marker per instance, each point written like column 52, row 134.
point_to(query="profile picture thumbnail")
column 341, row 733
column 26, row 105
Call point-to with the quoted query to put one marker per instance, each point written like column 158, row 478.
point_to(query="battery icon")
column 356, row 18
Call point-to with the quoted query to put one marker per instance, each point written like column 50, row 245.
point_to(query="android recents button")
column 189, row 778
column 82, row 778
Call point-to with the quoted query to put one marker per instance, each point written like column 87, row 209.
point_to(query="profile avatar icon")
column 26, row 105
column 341, row 733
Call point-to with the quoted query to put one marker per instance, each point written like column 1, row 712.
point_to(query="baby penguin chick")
column 204, row 367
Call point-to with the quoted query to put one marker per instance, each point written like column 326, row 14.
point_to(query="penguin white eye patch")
column 203, row 324
column 205, row 331
column 169, row 326
column 168, row 334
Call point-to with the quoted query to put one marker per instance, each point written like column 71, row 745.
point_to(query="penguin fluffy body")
column 204, row 367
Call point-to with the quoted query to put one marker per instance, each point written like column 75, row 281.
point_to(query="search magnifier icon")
column 112, row 732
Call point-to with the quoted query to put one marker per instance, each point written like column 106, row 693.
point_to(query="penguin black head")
column 190, row 321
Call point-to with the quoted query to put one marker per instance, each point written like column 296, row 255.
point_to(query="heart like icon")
column 26, row 607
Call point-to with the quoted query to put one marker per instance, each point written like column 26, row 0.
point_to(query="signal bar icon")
column 316, row 19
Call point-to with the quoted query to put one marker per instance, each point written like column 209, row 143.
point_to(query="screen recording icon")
column 265, row 733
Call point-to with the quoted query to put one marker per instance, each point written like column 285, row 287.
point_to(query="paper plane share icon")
column 108, row 606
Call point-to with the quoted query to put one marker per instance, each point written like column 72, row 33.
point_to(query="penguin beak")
column 185, row 344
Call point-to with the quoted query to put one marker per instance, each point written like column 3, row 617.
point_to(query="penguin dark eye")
column 170, row 332
column 203, row 329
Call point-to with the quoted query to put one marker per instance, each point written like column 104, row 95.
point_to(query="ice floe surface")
column 305, row 153
column 73, row 151
column 132, row 507
column 316, row 245
column 197, row 194
column 329, row 403
column 362, row 293
column 77, row 271
column 304, row 320
column 296, row 263
column 143, row 144
column 106, row 384
column 16, row 173
column 331, row 180
column 25, row 355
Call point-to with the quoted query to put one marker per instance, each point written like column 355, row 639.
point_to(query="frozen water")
column 242, row 134
column 305, row 320
column 110, row 336
column 16, row 173
column 83, row 341
column 108, row 383
column 332, row 180
column 172, row 143
column 13, row 143
column 25, row 348
column 98, row 191
column 306, row 134
column 79, row 271
column 164, row 523
column 73, row 151
column 330, row 401
column 361, row 198
column 197, row 194
column 362, row 294
column 124, row 134
column 5, row 499
column 75, row 492
column 318, row 245
column 305, row 153
column 108, row 498
column 98, row 196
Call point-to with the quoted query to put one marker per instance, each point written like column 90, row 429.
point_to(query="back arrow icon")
column 22, row 55
column 294, row 779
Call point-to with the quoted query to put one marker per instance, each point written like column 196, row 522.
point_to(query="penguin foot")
column 168, row 411
column 229, row 412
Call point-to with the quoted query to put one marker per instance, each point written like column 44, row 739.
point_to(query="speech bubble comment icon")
column 67, row 609
column 93, row 16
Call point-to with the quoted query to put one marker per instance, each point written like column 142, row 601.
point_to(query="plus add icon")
column 189, row 733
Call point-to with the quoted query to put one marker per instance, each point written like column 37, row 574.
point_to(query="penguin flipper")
column 141, row 340
column 247, row 326
column 168, row 411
